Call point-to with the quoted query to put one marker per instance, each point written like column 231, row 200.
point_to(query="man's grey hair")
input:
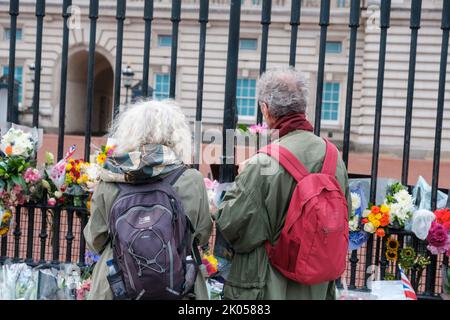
column 284, row 90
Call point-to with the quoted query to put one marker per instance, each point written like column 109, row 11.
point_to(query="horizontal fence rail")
column 52, row 235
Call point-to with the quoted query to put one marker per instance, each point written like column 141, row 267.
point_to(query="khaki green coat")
column 254, row 211
column 191, row 190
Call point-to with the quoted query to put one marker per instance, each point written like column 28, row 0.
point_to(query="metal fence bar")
column 120, row 17
column 148, row 18
column 40, row 13
column 295, row 22
column 83, row 224
column 265, row 22
column 30, row 235
column 203, row 20
column 229, row 111
column 176, row 13
column 17, row 234
column 13, row 12
column 324, row 22
column 93, row 16
column 63, row 87
column 384, row 25
column 445, row 26
column 416, row 8
column 354, row 25
column 55, row 235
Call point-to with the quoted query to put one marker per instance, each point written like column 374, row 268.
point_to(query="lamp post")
column 31, row 67
column 127, row 76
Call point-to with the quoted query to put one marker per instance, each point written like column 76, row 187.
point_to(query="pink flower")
column 31, row 175
column 438, row 239
column 51, row 202
column 437, row 236
column 258, row 128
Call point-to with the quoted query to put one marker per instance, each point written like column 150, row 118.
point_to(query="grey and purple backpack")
column 151, row 239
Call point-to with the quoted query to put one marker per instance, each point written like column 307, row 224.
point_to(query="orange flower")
column 8, row 150
column 384, row 221
column 375, row 209
column 380, row 232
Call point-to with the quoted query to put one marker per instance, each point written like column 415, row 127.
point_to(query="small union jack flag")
column 410, row 294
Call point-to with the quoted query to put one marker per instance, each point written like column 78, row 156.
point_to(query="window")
column 248, row 44
column 164, row 41
column 161, row 87
column 246, row 97
column 333, row 47
column 18, row 76
column 341, row 3
column 330, row 102
column 18, row 34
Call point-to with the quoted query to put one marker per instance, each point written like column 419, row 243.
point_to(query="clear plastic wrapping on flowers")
column 422, row 195
column 37, row 134
column 382, row 186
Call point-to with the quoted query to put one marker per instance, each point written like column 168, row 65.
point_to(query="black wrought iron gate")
column 67, row 223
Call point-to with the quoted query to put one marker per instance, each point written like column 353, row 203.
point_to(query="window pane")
column 161, row 86
column 333, row 47
column 330, row 102
column 248, row 44
column 164, row 41
column 7, row 34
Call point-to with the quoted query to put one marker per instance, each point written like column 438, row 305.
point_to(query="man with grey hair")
column 253, row 211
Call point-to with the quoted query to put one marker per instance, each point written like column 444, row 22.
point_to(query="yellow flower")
column 384, row 208
column 378, row 216
column 84, row 178
column 376, row 223
column 68, row 167
column 79, row 181
column 392, row 244
column 391, row 255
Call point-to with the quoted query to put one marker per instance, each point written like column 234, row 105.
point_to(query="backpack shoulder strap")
column 289, row 162
column 330, row 160
column 171, row 178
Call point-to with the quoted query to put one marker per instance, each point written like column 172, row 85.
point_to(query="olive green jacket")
column 191, row 190
column 254, row 210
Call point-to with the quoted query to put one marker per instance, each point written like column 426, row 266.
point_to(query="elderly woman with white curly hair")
column 153, row 142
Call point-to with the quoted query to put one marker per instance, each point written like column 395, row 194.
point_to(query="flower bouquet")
column 439, row 234
column 400, row 205
column 376, row 220
column 357, row 236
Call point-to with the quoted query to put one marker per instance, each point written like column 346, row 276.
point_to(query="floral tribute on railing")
column 19, row 281
column 68, row 183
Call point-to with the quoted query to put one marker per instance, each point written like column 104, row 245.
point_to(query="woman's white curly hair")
column 153, row 122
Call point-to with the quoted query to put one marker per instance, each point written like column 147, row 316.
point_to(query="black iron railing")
column 42, row 233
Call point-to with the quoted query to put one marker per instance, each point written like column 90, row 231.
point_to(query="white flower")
column 20, row 142
column 366, row 213
column 368, row 227
column 356, row 201
column 58, row 194
column 404, row 198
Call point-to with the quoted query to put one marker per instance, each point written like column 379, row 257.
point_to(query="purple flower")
column 90, row 258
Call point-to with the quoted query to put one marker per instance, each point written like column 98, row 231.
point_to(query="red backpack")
column 313, row 244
